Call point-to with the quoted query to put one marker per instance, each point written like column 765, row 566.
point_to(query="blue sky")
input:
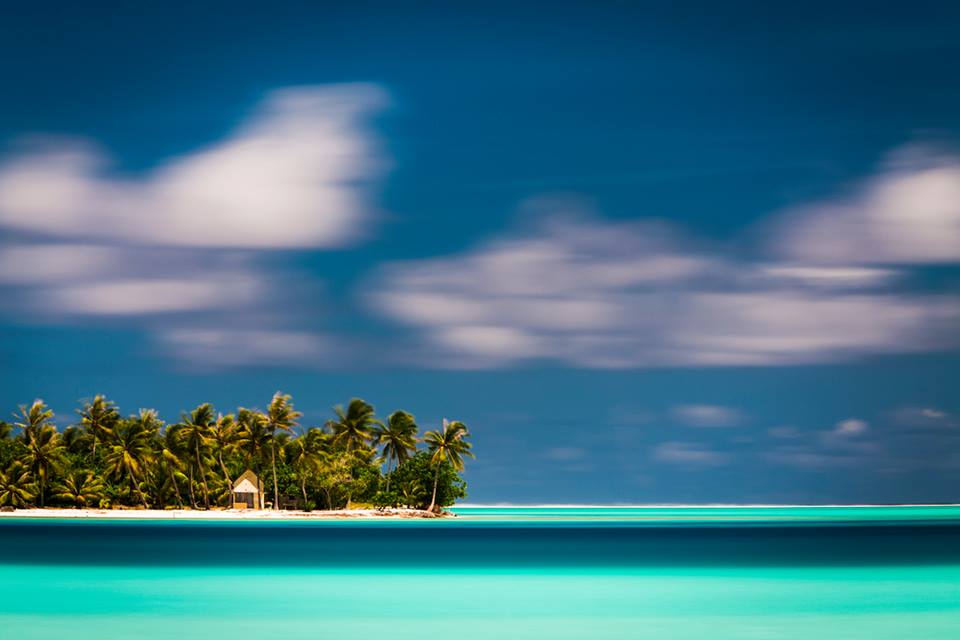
column 651, row 253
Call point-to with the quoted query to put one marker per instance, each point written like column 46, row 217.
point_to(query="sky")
column 648, row 252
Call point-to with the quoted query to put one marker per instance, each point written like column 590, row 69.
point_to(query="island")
column 246, row 464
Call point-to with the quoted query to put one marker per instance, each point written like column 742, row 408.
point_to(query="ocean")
column 492, row 574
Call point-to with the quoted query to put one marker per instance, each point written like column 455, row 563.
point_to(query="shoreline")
column 224, row 514
column 671, row 505
column 220, row 514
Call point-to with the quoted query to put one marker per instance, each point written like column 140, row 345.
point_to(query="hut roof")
column 246, row 483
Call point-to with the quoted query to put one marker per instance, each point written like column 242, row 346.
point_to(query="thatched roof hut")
column 247, row 491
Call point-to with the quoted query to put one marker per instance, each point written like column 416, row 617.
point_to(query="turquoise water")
column 493, row 574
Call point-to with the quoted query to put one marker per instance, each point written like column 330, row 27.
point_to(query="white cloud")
column 54, row 263
column 594, row 293
column 849, row 438
column 688, row 453
column 706, row 415
column 908, row 213
column 291, row 176
column 851, row 427
column 139, row 297
column 180, row 252
column 826, row 277
column 242, row 347
column 922, row 417
column 846, row 444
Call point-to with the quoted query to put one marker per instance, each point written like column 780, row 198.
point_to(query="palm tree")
column 81, row 488
column 353, row 426
column 99, row 418
column 169, row 456
column 448, row 445
column 412, row 494
column 306, row 455
column 352, row 429
column 6, row 429
column 336, row 472
column 74, row 439
column 224, row 436
column 194, row 432
column 43, row 450
column 253, row 441
column 161, row 484
column 16, row 485
column 150, row 422
column 129, row 453
column 398, row 437
column 43, row 455
column 34, row 417
column 281, row 417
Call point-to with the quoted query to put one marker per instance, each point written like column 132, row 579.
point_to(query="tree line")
column 108, row 460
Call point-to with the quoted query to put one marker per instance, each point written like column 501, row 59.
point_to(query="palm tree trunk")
column 303, row 490
column 226, row 475
column 258, row 469
column 193, row 497
column 273, row 464
column 388, row 474
column 203, row 480
column 176, row 488
column 436, row 481
column 136, row 487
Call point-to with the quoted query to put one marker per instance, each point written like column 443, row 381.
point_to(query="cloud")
column 688, row 453
column 922, row 417
column 587, row 292
column 831, row 277
column 706, row 415
column 194, row 252
column 806, row 458
column 131, row 297
column 33, row 264
column 848, row 441
column 293, row 175
column 909, row 213
column 784, row 432
column 850, row 427
column 842, row 446
column 853, row 443
column 217, row 348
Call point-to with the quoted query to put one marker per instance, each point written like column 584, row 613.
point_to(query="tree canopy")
column 105, row 459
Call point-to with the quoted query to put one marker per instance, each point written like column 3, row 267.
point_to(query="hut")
column 247, row 492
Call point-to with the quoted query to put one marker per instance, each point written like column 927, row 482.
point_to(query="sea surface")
column 492, row 574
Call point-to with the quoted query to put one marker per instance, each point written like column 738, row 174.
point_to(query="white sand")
column 214, row 514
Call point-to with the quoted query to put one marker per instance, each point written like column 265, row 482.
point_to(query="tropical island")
column 245, row 462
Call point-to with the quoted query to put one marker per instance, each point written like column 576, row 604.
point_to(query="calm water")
column 493, row 574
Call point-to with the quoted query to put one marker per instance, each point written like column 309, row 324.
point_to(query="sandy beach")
column 219, row 514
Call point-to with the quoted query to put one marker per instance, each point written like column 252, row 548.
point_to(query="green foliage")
column 17, row 488
column 80, row 488
column 447, row 446
column 106, row 460
column 412, row 481
column 353, row 426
